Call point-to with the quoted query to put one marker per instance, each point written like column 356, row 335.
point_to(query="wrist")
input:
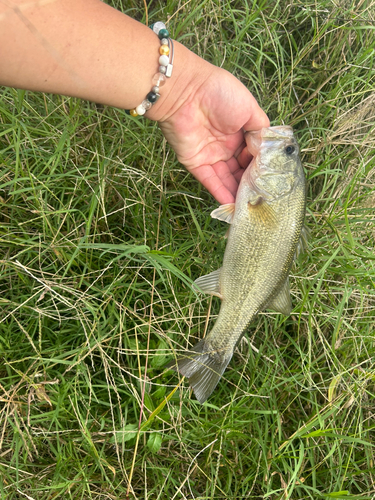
column 189, row 73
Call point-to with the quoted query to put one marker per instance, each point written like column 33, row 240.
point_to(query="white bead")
column 140, row 110
column 158, row 26
column 163, row 60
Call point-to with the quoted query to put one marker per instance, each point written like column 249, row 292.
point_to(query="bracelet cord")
column 166, row 59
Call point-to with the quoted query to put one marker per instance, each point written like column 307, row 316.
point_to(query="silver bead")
column 162, row 69
column 158, row 26
column 164, row 41
column 155, row 89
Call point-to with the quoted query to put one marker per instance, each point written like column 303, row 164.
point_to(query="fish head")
column 276, row 166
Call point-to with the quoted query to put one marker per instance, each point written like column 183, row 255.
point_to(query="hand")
column 207, row 131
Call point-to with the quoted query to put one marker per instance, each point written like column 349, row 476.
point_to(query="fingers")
column 256, row 121
column 257, row 117
column 236, row 171
column 244, row 158
column 218, row 180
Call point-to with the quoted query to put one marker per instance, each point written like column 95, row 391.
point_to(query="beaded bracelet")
column 165, row 69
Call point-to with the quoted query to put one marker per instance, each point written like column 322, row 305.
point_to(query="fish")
column 266, row 232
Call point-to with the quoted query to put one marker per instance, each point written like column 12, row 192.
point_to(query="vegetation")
column 102, row 232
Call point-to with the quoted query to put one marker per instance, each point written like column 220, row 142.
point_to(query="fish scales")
column 266, row 223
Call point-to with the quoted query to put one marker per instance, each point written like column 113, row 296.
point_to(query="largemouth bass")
column 266, row 222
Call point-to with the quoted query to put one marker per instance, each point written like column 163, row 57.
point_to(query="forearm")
column 83, row 48
column 86, row 49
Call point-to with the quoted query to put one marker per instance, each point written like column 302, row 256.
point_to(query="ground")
column 102, row 232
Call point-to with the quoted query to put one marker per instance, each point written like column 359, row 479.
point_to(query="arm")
column 84, row 48
column 80, row 48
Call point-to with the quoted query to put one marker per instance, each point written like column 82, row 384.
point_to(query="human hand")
column 206, row 128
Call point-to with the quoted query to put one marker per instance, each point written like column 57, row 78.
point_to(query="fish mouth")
column 254, row 139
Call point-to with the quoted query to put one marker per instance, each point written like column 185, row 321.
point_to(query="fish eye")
column 290, row 150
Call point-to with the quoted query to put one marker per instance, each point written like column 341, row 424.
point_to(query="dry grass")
column 102, row 232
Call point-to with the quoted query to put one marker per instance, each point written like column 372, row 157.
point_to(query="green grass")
column 102, row 231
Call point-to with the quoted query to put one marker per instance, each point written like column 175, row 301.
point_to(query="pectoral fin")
column 210, row 283
column 282, row 302
column 262, row 211
column 255, row 198
column 224, row 213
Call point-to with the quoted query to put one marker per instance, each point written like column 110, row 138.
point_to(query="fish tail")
column 203, row 366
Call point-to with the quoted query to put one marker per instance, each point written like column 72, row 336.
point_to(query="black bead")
column 151, row 96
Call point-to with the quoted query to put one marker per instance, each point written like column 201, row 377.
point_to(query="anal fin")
column 210, row 283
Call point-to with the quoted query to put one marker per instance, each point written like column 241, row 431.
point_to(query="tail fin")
column 203, row 367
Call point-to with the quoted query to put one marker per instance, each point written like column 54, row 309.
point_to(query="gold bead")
column 133, row 112
column 164, row 50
